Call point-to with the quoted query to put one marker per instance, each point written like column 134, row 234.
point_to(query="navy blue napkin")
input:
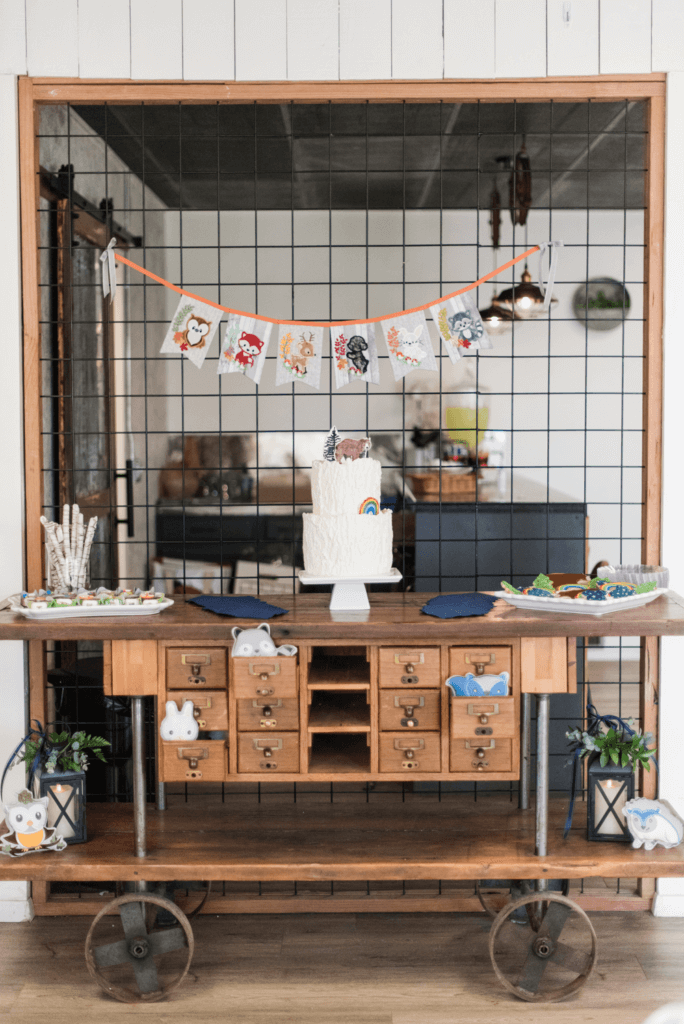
column 238, row 606
column 456, row 606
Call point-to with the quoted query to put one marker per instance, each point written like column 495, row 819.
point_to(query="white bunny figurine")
column 409, row 345
column 179, row 725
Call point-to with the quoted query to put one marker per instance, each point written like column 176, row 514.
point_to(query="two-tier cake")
column 347, row 534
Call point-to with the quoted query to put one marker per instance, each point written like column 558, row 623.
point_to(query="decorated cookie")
column 594, row 595
column 538, row 592
column 619, row 589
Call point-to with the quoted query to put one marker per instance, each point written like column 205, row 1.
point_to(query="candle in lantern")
column 607, row 788
column 62, row 793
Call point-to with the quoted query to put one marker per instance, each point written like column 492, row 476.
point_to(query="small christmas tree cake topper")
column 331, row 440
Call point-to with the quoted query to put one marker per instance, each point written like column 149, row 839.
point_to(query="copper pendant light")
column 526, row 300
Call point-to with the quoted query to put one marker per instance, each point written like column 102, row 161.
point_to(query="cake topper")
column 337, row 448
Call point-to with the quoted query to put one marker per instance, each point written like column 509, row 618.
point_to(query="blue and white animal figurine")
column 652, row 824
column 251, row 643
column 179, row 725
column 27, row 821
column 479, row 686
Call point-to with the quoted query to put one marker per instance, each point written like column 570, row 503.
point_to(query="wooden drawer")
column 195, row 668
column 482, row 717
column 264, row 677
column 268, row 754
column 201, row 761
column 419, row 752
column 489, row 660
column 409, row 709
column 259, row 713
column 211, row 707
column 494, row 756
column 409, row 666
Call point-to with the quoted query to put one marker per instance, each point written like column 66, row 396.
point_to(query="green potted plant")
column 614, row 750
column 56, row 763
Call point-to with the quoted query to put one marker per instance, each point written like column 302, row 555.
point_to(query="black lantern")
column 66, row 803
column 608, row 790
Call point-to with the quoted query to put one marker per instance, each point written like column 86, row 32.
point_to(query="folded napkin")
column 238, row 606
column 456, row 606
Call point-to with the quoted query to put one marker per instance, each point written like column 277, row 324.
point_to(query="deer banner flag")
column 354, row 354
column 244, row 347
column 408, row 344
column 299, row 355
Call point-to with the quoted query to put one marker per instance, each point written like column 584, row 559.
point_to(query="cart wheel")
column 534, row 964
column 117, row 948
column 495, row 894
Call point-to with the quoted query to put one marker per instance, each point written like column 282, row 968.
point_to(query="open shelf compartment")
column 339, row 711
column 339, row 669
column 338, row 753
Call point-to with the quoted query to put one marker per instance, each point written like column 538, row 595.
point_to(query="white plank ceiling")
column 330, row 39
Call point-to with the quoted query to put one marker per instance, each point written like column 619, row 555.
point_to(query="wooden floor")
column 342, row 969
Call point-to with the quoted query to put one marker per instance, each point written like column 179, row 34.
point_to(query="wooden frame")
column 36, row 91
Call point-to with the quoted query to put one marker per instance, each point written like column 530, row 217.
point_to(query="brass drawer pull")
column 267, row 706
column 409, row 702
column 264, row 671
column 192, row 755
column 479, row 661
column 266, row 747
column 195, row 661
column 483, row 711
column 409, row 745
column 476, row 745
column 409, row 660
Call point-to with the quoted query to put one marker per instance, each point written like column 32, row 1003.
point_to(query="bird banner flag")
column 192, row 330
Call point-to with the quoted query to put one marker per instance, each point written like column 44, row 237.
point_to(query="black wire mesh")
column 339, row 211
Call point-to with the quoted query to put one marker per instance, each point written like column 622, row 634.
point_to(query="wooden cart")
column 363, row 700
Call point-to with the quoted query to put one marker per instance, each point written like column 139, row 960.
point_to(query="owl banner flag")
column 408, row 344
column 299, row 355
column 460, row 325
column 192, row 330
column 355, row 354
column 244, row 347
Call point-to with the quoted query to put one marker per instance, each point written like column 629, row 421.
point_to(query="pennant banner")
column 460, row 326
column 355, row 354
column 244, row 347
column 192, row 330
column 299, row 355
column 408, row 344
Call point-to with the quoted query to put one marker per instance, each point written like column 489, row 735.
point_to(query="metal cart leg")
column 139, row 807
column 525, row 752
column 522, row 951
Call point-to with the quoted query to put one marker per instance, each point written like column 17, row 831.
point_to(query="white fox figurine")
column 179, row 725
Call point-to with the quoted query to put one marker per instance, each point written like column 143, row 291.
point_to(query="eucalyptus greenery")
column 615, row 745
column 62, row 751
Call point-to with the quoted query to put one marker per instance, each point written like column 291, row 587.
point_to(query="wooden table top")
column 350, row 839
column 393, row 618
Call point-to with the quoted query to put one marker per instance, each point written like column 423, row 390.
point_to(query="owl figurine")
column 28, row 828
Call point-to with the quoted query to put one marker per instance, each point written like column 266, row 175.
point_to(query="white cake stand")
column 349, row 592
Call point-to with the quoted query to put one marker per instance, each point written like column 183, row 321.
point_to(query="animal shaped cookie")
column 488, row 685
column 652, row 824
column 27, row 821
column 179, row 725
column 250, row 643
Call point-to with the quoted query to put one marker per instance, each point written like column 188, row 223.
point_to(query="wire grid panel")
column 342, row 211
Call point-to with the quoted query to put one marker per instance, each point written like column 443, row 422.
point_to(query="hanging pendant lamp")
column 526, row 300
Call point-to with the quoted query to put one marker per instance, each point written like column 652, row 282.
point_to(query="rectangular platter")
column 567, row 606
column 76, row 612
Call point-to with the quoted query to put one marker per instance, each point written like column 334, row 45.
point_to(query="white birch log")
column 67, row 539
column 92, row 524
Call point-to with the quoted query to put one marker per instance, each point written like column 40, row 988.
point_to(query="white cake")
column 342, row 536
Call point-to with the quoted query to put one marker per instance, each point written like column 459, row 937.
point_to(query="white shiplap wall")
column 330, row 39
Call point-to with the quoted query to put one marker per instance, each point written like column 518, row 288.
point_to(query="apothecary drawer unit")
column 254, row 678
column 409, row 666
column 485, row 757
column 267, row 713
column 267, row 754
column 210, row 707
column 200, row 761
column 418, row 752
column 410, row 709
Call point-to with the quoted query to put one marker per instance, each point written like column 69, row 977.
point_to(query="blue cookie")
column 595, row 595
column 537, row 592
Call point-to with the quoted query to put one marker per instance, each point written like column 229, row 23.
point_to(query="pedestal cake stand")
column 349, row 592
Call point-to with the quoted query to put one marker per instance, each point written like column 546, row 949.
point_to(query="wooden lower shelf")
column 382, row 838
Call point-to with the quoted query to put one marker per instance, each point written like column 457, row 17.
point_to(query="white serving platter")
column 76, row 612
column 573, row 606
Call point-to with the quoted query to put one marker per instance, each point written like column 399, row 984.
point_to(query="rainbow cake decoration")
column 369, row 507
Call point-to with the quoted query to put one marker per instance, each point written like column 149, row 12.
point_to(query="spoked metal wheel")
column 496, row 893
column 130, row 956
column 537, row 964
